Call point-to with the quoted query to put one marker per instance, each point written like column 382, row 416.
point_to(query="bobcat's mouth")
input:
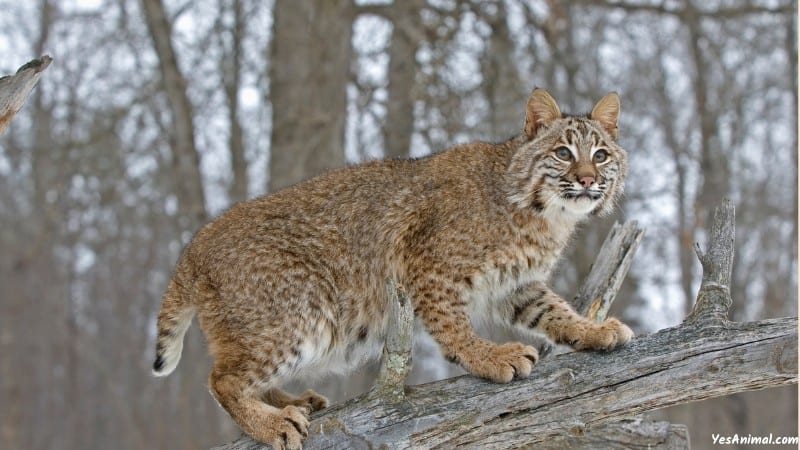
column 582, row 194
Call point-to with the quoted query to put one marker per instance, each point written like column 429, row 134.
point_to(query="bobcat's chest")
column 506, row 270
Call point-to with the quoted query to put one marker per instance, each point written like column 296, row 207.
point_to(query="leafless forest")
column 156, row 115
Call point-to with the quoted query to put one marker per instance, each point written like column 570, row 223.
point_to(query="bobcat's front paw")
column 603, row 336
column 501, row 363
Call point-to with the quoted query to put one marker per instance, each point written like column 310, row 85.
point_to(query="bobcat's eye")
column 600, row 156
column 564, row 154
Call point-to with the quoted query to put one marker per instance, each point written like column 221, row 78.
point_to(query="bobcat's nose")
column 586, row 182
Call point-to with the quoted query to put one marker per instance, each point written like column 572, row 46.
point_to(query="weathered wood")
column 593, row 300
column 629, row 434
column 396, row 360
column 14, row 89
column 568, row 393
column 714, row 297
column 608, row 271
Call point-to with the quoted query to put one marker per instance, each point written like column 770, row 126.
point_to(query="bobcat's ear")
column 541, row 110
column 606, row 111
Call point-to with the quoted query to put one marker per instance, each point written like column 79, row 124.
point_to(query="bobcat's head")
column 568, row 165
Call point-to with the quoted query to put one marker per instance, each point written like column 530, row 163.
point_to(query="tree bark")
column 612, row 264
column 191, row 215
column 189, row 183
column 309, row 71
column 14, row 89
column 631, row 434
column 503, row 87
column 406, row 37
column 714, row 297
column 569, row 394
column 231, row 69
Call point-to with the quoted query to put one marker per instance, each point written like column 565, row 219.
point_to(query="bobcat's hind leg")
column 308, row 399
column 281, row 426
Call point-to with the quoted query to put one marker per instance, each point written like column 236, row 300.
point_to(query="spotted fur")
column 293, row 283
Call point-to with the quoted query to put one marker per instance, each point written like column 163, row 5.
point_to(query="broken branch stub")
column 14, row 89
column 598, row 291
column 714, row 297
column 396, row 360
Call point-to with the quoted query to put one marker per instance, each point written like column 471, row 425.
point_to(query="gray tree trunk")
column 189, row 182
column 407, row 36
column 231, row 68
column 309, row 70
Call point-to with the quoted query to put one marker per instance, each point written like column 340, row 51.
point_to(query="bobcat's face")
column 580, row 169
column 571, row 165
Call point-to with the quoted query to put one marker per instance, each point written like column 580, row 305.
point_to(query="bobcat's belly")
column 325, row 352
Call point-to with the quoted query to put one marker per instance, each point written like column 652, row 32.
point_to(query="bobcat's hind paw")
column 311, row 401
column 502, row 363
column 284, row 430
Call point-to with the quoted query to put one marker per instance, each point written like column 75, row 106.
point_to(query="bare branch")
column 608, row 271
column 381, row 10
column 14, row 89
column 732, row 12
column 396, row 360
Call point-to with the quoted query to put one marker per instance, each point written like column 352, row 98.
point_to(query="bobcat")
column 294, row 282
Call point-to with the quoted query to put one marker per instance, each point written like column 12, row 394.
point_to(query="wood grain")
column 14, row 89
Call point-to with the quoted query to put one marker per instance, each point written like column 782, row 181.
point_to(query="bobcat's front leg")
column 444, row 314
column 536, row 308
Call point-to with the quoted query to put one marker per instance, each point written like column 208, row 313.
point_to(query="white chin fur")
column 575, row 209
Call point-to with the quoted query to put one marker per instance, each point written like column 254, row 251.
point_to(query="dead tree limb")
column 593, row 300
column 714, row 297
column 14, row 89
column 396, row 360
column 573, row 396
column 627, row 433
column 613, row 261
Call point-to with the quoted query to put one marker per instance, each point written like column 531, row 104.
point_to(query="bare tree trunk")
column 713, row 186
column 569, row 394
column 197, row 414
column 189, row 182
column 631, row 434
column 503, row 86
column 406, row 38
column 309, row 71
column 50, row 299
column 231, row 72
column 686, row 227
column 613, row 261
